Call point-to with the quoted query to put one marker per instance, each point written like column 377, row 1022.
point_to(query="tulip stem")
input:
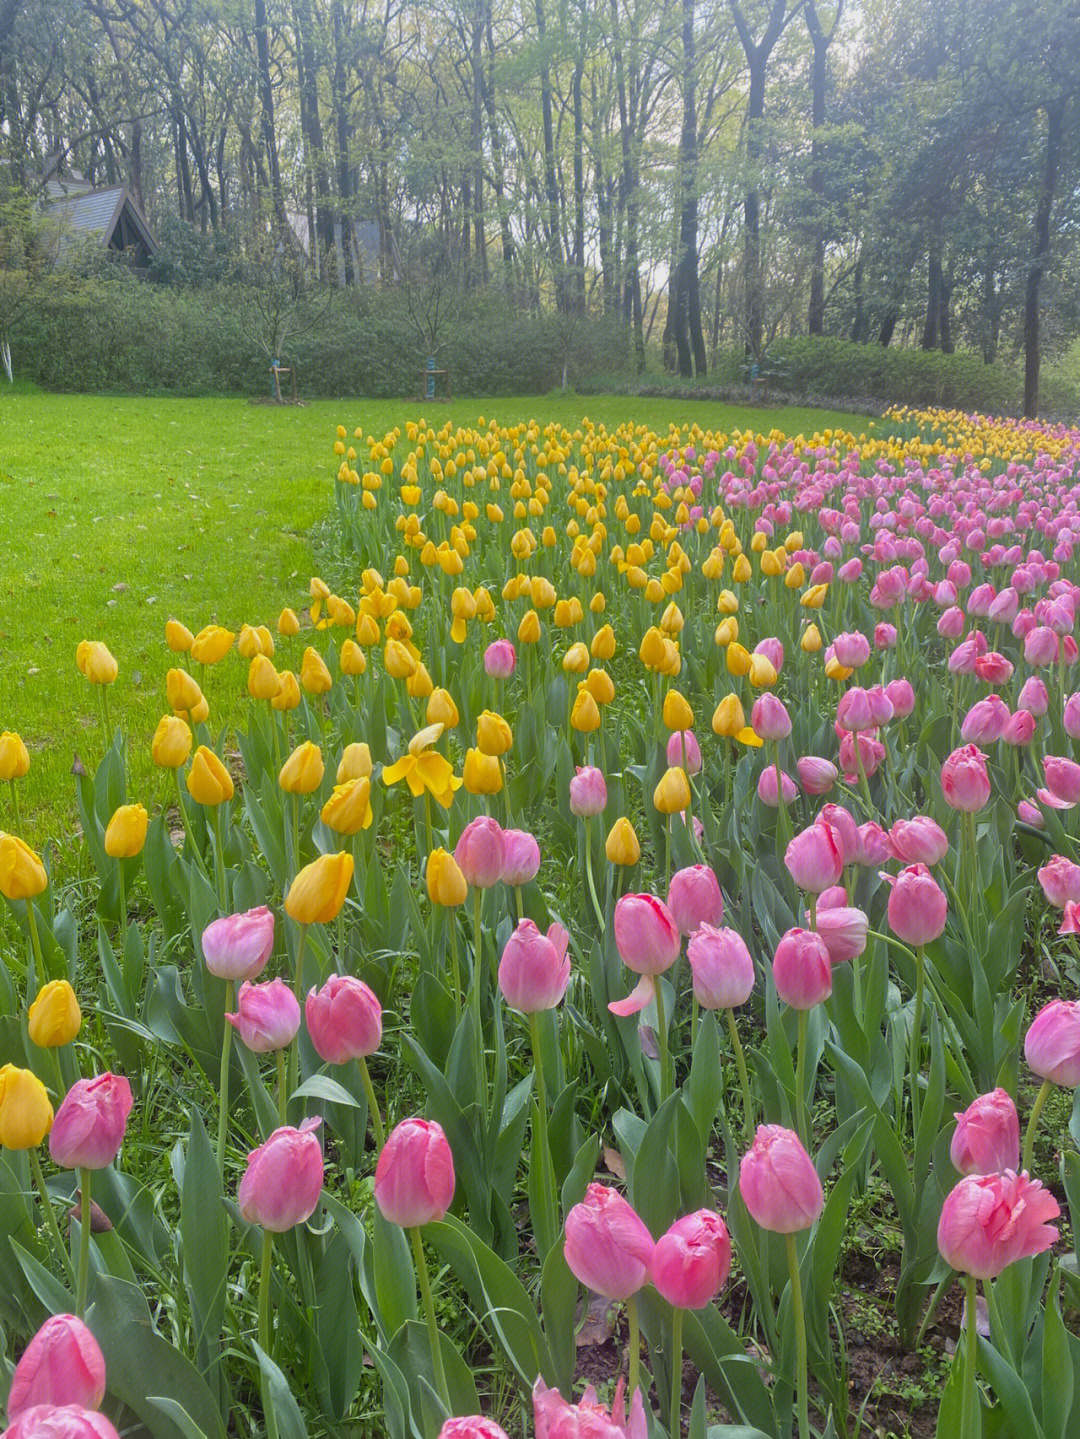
column 864, row 783
column 298, row 990
column 50, row 1213
column 223, row 1082
column 455, row 962
column 667, row 853
column 634, row 1352
column 1033, row 1123
column 282, row 1086
column 108, row 721
column 916, row 1036
column 969, row 1414
column 341, row 940
column 83, row 1273
column 662, row 1040
column 800, row 1336
column 589, row 874
column 35, row 940
column 123, row 906
column 296, row 834
column 15, row 806
column 676, row 1373
column 372, row 1102
column 800, row 1078
column 265, row 1332
column 187, row 823
column 744, row 1078
column 519, row 902
column 429, row 1311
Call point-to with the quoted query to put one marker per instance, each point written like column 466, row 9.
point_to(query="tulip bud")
column 815, row 857
column 14, row 759
column 90, row 1123
column 126, row 832
column 987, row 1136
column 817, row 776
column 289, row 698
column 171, row 744
column 672, row 794
column 607, row 1246
column 802, row 969
column 691, row 1262
column 535, row 968
column 302, row 772
column 778, row 1182
column 344, row 1020
column 521, row 861
column 62, row 1365
column 288, row 624
column 183, row 693
column 355, row 763
column 622, row 846
column 238, row 946
column 588, row 792
column 208, row 781
column 414, row 1178
column 721, row 966
column 211, row 645
column 267, row 1016
column 964, row 781
column 480, row 853
column 348, row 810
column 1052, row 1043
column 482, row 773
column 26, row 1116
column 22, row 874
column 318, row 892
column 54, row 1018
column 917, row 907
column 446, row 884
column 283, row 1179
column 96, row 663
column 441, row 709
column 178, row 637
column 694, row 898
column 728, row 717
column 493, row 734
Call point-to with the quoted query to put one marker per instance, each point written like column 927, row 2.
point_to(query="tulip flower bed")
column 650, row 900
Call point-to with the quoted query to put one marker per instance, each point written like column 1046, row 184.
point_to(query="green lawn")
column 203, row 510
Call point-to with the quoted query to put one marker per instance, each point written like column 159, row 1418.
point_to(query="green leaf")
column 395, row 1278
column 1057, row 1372
column 321, row 1086
column 279, row 1397
column 558, row 1300
column 204, row 1231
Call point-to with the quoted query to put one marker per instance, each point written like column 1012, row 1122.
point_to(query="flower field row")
column 651, row 856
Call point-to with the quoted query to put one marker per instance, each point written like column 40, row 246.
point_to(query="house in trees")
column 109, row 216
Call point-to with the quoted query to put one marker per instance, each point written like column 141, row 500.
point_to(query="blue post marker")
column 431, row 378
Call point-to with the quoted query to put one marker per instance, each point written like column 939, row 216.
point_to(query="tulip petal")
column 642, row 994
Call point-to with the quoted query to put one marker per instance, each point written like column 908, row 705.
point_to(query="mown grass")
column 120, row 513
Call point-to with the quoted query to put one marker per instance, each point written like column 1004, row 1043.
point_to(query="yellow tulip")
column 441, row 709
column 419, row 684
column 814, row 597
column 14, row 759
column 677, row 712
column 795, row 576
column 493, row 735
column 672, row 794
column 126, row 832
column 171, row 744
column 585, row 715
column 289, row 698
column 738, row 660
column 564, row 615
column 54, row 1018
column 348, row 810
column 836, row 671
column 600, row 685
column 302, row 772
column 182, row 691
column 529, row 628
column 741, row 571
column 96, row 663
column 598, row 604
column 208, row 781
column 288, row 624
column 762, row 672
column 603, row 643
column 22, row 874
column 727, row 603
column 178, row 637
column 249, row 642
column 400, row 664
column 728, row 717
column 263, row 682
column 318, row 891
column 576, row 659
column 445, row 882
column 355, row 763
column 811, row 640
column 482, row 773
column 211, row 644
column 621, row 845
column 314, row 676
column 653, row 654
column 423, row 768
column 26, row 1116
column 727, row 630
column 352, row 659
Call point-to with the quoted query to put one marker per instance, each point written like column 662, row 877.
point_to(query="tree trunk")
column 629, row 200
column 579, row 178
column 821, row 41
column 266, row 112
column 934, row 282
column 1055, row 126
column 551, row 187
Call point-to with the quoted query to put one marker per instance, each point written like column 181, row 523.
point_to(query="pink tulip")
column 1040, row 647
column 473, row 1426
column 1034, row 697
column 917, row 906
column 694, row 898
column 985, row 721
column 873, row 847
column 843, row 929
column 964, row 781
column 841, row 821
column 648, row 941
column 870, row 750
column 283, row 1179
column 61, row 1365
column 1070, row 919
column 778, row 1182
column 1052, row 1043
column 89, row 1125
column 773, row 651
column 989, row 1221
column 267, row 1016
column 1062, row 778
column 588, row 792
column 1071, row 716
column 691, row 1262
column 766, row 789
column 522, row 857
column 802, row 969
column 815, row 857
column 535, row 968
column 881, row 710
column 556, row 1418
column 607, row 1247
column 853, row 713
column 950, row 626
column 769, row 719
column 817, row 776
column 1060, row 880
column 987, row 1136
column 1028, row 813
column 721, row 966
column 238, row 946
column 901, row 696
column 884, row 636
column 481, row 853
column 68, row 1421
column 680, row 741
column 852, row 650
column 344, row 1019
column 919, row 840
column 500, row 659
column 414, row 1178
column 1020, row 730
